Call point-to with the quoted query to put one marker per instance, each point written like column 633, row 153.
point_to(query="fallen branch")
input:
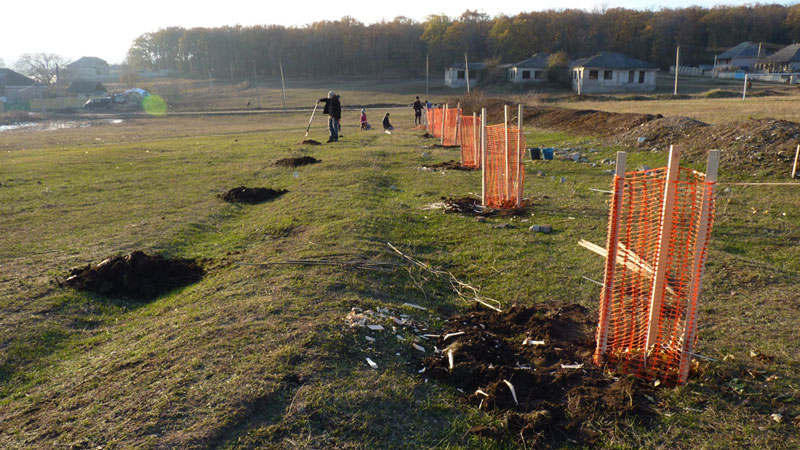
column 381, row 266
column 458, row 286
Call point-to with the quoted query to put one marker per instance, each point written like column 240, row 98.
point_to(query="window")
column 460, row 74
column 641, row 76
column 607, row 74
column 526, row 74
column 631, row 76
column 593, row 74
column 537, row 75
column 574, row 74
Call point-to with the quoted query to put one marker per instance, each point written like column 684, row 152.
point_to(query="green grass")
column 262, row 357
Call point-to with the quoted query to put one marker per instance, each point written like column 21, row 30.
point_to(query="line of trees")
column 347, row 47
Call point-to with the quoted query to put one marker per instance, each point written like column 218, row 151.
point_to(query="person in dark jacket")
column 334, row 110
column 417, row 112
column 386, row 125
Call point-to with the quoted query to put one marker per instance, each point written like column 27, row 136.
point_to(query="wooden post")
column 519, row 156
column 744, row 88
column 483, row 157
column 466, row 67
column 677, row 66
column 427, row 67
column 611, row 258
column 701, row 242
column 659, row 276
column 458, row 122
column 794, row 166
column 283, row 86
column 507, row 168
column 475, row 138
column 444, row 119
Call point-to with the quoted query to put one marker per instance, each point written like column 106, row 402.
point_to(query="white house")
column 456, row 76
column 784, row 60
column 531, row 70
column 740, row 57
column 16, row 88
column 89, row 68
column 612, row 72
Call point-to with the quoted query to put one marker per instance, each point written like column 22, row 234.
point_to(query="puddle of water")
column 55, row 125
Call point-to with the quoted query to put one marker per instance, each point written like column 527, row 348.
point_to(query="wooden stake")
column 611, row 259
column 519, row 156
column 283, row 86
column 506, row 173
column 458, row 123
column 483, row 157
column 444, row 117
column 657, row 292
column 701, row 243
column 794, row 166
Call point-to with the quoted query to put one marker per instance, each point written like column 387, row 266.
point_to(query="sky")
column 106, row 29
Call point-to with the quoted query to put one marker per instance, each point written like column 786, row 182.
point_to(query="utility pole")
column 677, row 68
column 427, row 67
column 255, row 76
column 466, row 67
column 210, row 83
column 283, row 86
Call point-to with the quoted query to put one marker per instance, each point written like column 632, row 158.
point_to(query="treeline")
column 348, row 47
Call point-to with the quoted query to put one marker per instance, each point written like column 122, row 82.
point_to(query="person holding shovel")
column 333, row 108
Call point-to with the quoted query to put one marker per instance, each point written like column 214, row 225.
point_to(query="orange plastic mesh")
column 451, row 120
column 504, row 173
column 436, row 122
column 470, row 138
column 635, row 221
column 429, row 121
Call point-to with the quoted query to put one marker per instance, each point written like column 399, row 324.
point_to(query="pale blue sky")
column 106, row 29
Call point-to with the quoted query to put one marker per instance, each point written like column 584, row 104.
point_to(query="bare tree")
column 40, row 66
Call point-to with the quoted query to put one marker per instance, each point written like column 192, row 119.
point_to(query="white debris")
column 369, row 338
column 422, row 370
column 411, row 305
column 372, row 363
column 481, row 391
column 529, row 341
column 777, row 417
column 513, row 392
column 418, row 347
column 449, row 335
column 375, row 327
column 572, row 366
column 450, row 358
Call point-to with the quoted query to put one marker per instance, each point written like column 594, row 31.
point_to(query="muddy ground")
column 296, row 162
column 471, row 206
column 449, row 165
column 137, row 276
column 251, row 196
column 310, row 142
column 532, row 366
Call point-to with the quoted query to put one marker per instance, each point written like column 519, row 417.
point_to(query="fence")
column 659, row 224
column 503, row 172
column 450, row 122
column 470, row 139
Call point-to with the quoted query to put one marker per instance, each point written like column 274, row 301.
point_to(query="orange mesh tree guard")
column 470, row 138
column 450, row 126
column 659, row 225
column 435, row 122
column 503, row 172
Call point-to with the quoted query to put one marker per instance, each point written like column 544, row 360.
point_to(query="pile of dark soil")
column 463, row 205
column 428, row 136
column 137, row 276
column 586, row 121
column 658, row 133
column 251, row 196
column 310, row 142
column 296, row 162
column 549, row 403
column 449, row 165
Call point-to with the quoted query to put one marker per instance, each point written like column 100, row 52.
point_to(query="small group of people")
column 333, row 108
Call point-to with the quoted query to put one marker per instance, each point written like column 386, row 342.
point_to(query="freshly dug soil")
column 296, row 162
column 553, row 403
column 310, row 142
column 137, row 276
column 428, row 136
column 449, row 165
column 252, row 195
column 463, row 205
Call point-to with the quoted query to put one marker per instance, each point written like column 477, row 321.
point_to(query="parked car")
column 102, row 102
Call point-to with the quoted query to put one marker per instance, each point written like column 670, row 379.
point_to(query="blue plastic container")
column 547, row 153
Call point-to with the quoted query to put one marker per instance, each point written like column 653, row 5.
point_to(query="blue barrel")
column 536, row 153
column 547, row 153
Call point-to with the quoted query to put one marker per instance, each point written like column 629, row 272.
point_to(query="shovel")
column 312, row 117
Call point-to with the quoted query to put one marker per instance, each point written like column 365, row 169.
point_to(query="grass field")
column 261, row 356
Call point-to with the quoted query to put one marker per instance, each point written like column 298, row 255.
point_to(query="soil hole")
column 252, row 196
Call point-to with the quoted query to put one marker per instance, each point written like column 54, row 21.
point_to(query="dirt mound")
column 449, row 165
column 296, row 162
column 464, row 205
column 251, row 196
column 310, row 142
column 659, row 132
column 545, row 355
column 586, row 121
column 428, row 136
column 137, row 276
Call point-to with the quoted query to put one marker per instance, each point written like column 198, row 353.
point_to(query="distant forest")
column 347, row 47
